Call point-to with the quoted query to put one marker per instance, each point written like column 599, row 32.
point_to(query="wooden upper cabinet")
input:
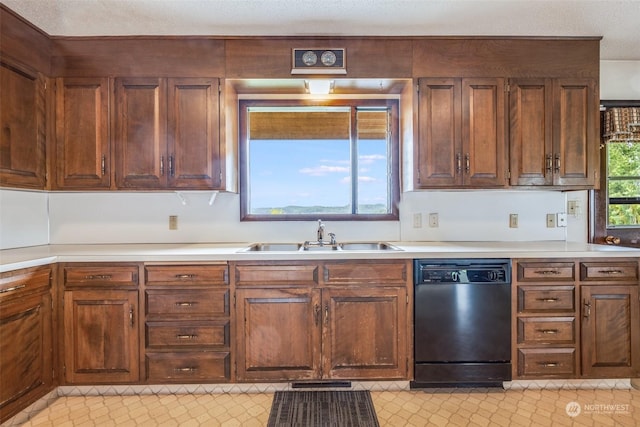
column 462, row 133
column 194, row 143
column 554, row 132
column 530, row 114
column 167, row 133
column 22, row 127
column 576, row 132
column 440, row 146
column 140, row 132
column 83, row 159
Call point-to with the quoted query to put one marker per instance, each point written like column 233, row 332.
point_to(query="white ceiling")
column 617, row 21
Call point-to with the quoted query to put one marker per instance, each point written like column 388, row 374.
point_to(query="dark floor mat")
column 322, row 408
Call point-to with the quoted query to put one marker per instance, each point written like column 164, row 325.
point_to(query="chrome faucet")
column 320, row 232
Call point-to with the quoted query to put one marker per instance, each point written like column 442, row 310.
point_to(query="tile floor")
column 439, row 407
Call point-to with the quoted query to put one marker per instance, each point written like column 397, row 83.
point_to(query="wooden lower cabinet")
column 100, row 323
column 286, row 331
column 610, row 331
column 577, row 318
column 187, row 323
column 26, row 351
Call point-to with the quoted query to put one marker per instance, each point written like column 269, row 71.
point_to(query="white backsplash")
column 24, row 218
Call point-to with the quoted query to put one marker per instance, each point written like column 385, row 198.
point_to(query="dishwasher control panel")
column 462, row 271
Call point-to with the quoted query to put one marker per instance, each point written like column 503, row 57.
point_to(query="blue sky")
column 315, row 172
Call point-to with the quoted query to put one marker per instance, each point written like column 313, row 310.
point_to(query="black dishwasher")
column 462, row 323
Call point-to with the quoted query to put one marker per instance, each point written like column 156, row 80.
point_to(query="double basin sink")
column 316, row 247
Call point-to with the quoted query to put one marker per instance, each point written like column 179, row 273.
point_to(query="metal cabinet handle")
column 549, row 364
column 103, row 165
column 557, row 166
column 185, row 304
column 11, row 289
column 587, row 309
column 131, row 319
column 326, row 314
column 316, row 309
column 548, row 331
column 546, row 272
column 467, row 163
column 186, row 276
column 610, row 271
column 161, row 165
column 186, row 337
column 186, row 369
column 548, row 299
column 171, row 171
column 458, row 163
column 549, row 163
column 98, row 277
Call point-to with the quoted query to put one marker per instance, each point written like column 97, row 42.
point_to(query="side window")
column 337, row 160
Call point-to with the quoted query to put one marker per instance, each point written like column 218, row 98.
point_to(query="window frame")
column 599, row 231
column 393, row 158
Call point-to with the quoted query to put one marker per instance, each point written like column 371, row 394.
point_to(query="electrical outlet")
column 513, row 220
column 173, row 222
column 551, row 220
column 572, row 207
column 561, row 219
column 433, row 220
column 417, row 220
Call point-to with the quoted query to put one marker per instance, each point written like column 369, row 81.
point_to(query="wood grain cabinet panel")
column 547, row 362
column 83, row 158
column 22, row 127
column 188, row 274
column 26, row 343
column 462, row 131
column 188, row 367
column 551, row 271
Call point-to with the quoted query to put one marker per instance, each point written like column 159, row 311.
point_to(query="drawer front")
column 276, row 275
column 187, row 334
column 545, row 271
column 609, row 271
column 158, row 275
column 101, row 276
column 194, row 303
column 18, row 283
column 188, row 367
column 546, row 298
column 546, row 330
column 361, row 272
column 554, row 362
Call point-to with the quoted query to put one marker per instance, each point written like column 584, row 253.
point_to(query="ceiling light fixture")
column 319, row 87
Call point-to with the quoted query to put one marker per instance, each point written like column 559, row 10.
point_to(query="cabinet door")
column 82, row 134
column 139, row 135
column 364, row 333
column 101, row 336
column 22, row 128
column 576, row 132
column 610, row 331
column 278, row 334
column 530, row 130
column 483, row 132
column 439, row 154
column 26, row 371
column 193, row 134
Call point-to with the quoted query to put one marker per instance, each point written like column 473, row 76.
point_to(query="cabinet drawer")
column 546, row 298
column 188, row 367
column 18, row 283
column 609, row 271
column 545, row 271
column 187, row 303
column 101, row 276
column 552, row 362
column 546, row 330
column 158, row 275
column 278, row 274
column 362, row 272
column 187, row 334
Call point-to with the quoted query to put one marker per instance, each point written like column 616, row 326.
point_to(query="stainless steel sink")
column 314, row 247
column 273, row 247
column 368, row 246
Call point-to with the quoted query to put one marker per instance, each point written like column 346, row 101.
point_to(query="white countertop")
column 13, row 259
